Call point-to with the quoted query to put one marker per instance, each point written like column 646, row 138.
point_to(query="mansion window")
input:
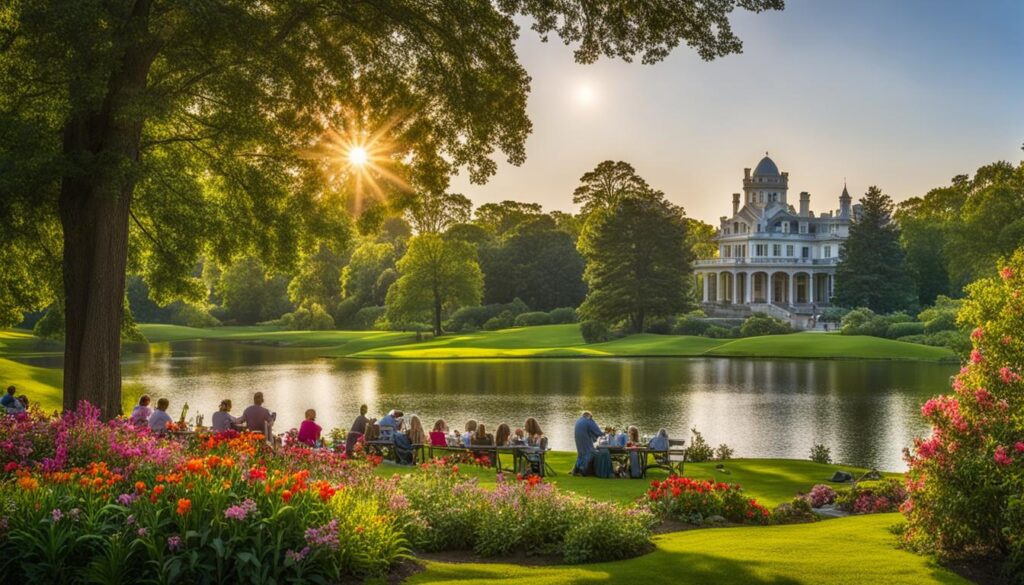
column 805, row 252
column 760, row 249
column 727, row 251
column 776, row 250
column 828, row 251
column 789, row 250
column 803, row 227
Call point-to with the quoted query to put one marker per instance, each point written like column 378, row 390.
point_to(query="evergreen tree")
column 872, row 269
column 638, row 260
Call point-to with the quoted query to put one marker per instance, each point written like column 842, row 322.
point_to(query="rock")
column 830, row 511
column 715, row 520
column 841, row 477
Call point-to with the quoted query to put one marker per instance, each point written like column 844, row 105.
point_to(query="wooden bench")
column 672, row 459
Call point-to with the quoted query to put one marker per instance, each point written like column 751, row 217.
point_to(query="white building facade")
column 773, row 257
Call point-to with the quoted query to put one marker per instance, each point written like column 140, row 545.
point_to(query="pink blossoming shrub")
column 966, row 480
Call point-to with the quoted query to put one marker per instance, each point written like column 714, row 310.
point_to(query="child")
column 470, row 431
column 309, row 431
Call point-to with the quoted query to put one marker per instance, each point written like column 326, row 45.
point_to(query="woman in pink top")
column 309, row 431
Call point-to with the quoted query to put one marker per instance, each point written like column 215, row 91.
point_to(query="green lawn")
column 854, row 551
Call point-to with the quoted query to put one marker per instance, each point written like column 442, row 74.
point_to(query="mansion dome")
column 766, row 168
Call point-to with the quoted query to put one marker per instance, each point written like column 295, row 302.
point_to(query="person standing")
column 141, row 412
column 585, row 432
column 257, row 418
column 159, row 420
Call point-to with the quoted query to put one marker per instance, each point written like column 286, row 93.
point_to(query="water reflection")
column 866, row 411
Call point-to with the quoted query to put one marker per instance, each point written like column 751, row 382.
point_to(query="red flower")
column 286, row 496
column 184, row 506
column 11, row 467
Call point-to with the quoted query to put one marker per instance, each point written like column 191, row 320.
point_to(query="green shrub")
column 320, row 319
column 821, row 454
column 763, row 324
column 470, row 318
column 532, row 319
column 562, row 316
column 716, row 332
column 660, row 325
column 601, row 532
column 367, row 317
column 192, row 316
column 724, row 452
column 594, row 331
column 502, row 321
column 897, row 330
column 796, row 511
column 690, row 325
column 699, row 451
column 945, row 321
column 833, row 314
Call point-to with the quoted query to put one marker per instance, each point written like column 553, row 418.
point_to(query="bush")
column 716, row 332
column 821, row 454
column 192, row 316
column 690, row 325
column 821, row 495
column 833, row 314
column 763, row 324
column 469, row 318
column 695, row 501
column 864, row 321
column 660, row 325
column 532, row 319
column 320, row 319
column 594, row 332
column 366, row 318
column 898, row 330
column 965, row 480
column 958, row 341
column 502, row 321
column 942, row 315
column 873, row 497
column 699, row 451
column 724, row 452
column 945, row 321
column 562, row 316
column 795, row 512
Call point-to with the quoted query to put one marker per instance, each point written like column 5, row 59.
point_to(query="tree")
column 701, row 238
column 538, row 263
column 499, row 218
column 436, row 274
column 638, row 262
column 606, row 184
column 164, row 131
column 369, row 262
column 872, row 270
column 318, row 281
column 433, row 213
column 249, row 295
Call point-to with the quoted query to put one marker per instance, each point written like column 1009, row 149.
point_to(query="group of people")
column 13, row 404
column 255, row 417
column 590, row 438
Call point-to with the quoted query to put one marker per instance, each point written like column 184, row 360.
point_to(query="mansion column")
column 748, row 281
column 770, row 278
column 737, row 293
column 792, row 289
column 719, row 292
column 704, row 287
column 810, row 288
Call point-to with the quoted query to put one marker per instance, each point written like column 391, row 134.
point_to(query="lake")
column 865, row 411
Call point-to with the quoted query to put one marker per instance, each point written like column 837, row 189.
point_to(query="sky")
column 903, row 94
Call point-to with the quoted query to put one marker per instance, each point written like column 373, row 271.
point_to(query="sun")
column 358, row 156
column 586, row 95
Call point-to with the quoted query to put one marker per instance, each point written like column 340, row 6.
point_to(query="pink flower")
column 1019, row 447
column 977, row 334
column 1008, row 376
column 982, row 396
column 976, row 357
column 1006, row 273
column 1001, row 457
column 1006, row 340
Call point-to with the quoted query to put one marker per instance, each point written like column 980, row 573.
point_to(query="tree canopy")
column 872, row 271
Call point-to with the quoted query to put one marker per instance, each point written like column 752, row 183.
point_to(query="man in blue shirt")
column 586, row 432
column 9, row 402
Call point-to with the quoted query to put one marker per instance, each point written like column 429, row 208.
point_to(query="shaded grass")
column 846, row 551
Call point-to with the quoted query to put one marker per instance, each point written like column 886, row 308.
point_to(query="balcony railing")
column 769, row 260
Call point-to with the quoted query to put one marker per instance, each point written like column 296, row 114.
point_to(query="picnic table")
column 671, row 459
column 521, row 462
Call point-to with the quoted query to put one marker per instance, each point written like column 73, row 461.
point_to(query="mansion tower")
column 773, row 257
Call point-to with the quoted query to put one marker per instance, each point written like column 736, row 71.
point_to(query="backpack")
column 603, row 464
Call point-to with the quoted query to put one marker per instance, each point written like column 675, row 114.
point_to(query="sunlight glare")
column 357, row 156
column 585, row 95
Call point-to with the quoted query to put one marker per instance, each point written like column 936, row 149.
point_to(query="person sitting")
column 223, row 420
column 141, row 412
column 467, row 437
column 502, row 435
column 11, row 403
column 633, row 437
column 659, row 442
column 357, row 430
column 372, row 430
column 159, row 420
column 309, row 431
column 621, row 439
column 534, row 434
column 257, row 418
column 518, row 437
column 439, row 436
column 585, row 432
column 390, row 424
column 481, row 438
column 608, row 438
column 415, row 433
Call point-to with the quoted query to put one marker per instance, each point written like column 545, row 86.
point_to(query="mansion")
column 773, row 257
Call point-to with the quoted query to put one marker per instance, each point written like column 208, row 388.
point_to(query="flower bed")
column 696, row 501
column 90, row 501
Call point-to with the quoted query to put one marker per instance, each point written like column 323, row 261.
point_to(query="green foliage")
column 724, row 452
column 51, row 326
column 699, row 450
column 966, row 478
column 248, row 295
column 796, row 511
column 562, row 315
column 503, row 320
column 595, row 331
column 764, row 324
column 872, row 270
column 318, row 280
column 943, row 322
column 608, row 183
column 315, row 318
column 366, row 267
column 434, row 212
column 691, row 325
column 500, row 218
column 437, row 274
column 898, row 330
column 834, row 314
column 532, row 319
column 718, row 332
column 638, row 262
column 821, row 454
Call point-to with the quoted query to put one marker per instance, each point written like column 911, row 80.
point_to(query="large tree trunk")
column 94, row 211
